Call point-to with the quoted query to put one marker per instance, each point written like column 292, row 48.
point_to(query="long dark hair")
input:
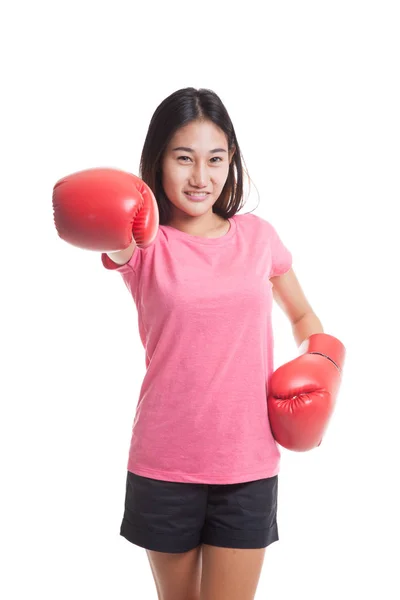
column 177, row 110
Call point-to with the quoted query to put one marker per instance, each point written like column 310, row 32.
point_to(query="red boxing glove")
column 101, row 209
column 302, row 393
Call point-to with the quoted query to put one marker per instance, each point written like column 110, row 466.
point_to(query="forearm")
column 121, row 257
column 306, row 326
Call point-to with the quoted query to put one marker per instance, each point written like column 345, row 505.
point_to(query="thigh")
column 163, row 516
column 242, row 515
column 177, row 576
column 229, row 573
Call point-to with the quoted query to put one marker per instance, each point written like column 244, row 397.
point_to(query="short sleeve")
column 130, row 271
column 281, row 257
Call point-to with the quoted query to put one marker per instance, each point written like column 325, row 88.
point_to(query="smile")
column 196, row 196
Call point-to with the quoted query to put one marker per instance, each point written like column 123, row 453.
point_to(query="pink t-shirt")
column 204, row 316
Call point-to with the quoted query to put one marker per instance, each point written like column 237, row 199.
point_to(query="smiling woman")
column 198, row 495
column 203, row 462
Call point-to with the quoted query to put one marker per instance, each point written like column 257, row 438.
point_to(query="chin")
column 196, row 207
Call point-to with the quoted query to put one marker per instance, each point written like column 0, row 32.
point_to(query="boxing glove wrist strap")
column 325, row 345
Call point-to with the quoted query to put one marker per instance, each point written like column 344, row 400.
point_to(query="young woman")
column 202, row 481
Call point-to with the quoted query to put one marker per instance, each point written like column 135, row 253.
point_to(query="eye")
column 217, row 158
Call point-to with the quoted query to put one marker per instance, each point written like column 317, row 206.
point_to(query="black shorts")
column 172, row 516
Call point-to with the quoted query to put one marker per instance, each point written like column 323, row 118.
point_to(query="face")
column 196, row 160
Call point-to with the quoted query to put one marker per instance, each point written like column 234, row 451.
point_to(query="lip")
column 196, row 198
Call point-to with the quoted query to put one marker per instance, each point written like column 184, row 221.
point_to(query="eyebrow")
column 185, row 149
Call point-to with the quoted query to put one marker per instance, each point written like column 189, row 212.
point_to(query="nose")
column 199, row 176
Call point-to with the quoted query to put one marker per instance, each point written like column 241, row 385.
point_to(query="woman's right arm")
column 121, row 257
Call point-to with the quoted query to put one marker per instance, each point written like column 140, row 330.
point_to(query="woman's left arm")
column 288, row 294
column 302, row 392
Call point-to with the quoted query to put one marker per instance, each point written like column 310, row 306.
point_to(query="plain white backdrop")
column 313, row 92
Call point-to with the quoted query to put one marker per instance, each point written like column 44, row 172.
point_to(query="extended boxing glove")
column 302, row 393
column 100, row 209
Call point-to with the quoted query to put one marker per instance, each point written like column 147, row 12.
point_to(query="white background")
column 313, row 92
